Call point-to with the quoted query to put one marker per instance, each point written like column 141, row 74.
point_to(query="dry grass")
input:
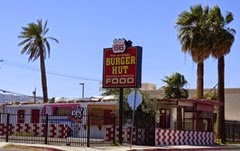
column 26, row 148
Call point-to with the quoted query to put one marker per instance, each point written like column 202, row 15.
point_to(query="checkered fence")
column 58, row 130
column 49, row 130
column 179, row 137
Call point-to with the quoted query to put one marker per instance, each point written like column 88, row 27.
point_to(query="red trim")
column 203, row 101
column 198, row 101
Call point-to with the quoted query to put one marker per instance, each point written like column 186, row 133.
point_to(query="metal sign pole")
column 120, row 115
column 134, row 106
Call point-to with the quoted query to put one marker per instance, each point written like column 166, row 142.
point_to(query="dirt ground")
column 14, row 147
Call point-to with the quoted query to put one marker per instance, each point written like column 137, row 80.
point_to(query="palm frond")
column 35, row 41
column 54, row 39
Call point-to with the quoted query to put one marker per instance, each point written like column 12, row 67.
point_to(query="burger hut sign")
column 122, row 65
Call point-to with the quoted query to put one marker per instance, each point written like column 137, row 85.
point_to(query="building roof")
column 232, row 100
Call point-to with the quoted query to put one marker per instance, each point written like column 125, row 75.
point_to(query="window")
column 20, row 116
column 35, row 113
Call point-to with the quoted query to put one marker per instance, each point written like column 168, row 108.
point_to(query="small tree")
column 145, row 110
column 211, row 96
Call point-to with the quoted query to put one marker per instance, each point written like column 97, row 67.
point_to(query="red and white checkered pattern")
column 2, row 129
column 36, row 129
column 54, row 130
column 126, row 135
column 177, row 137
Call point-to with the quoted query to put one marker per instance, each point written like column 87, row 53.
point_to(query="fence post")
column 233, row 132
column 228, row 129
column 88, row 129
column 114, row 129
column 7, row 127
column 46, row 130
column 136, row 135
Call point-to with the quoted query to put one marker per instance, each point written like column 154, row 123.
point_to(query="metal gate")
column 232, row 130
column 43, row 129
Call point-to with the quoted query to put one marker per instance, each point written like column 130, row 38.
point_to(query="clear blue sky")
column 85, row 27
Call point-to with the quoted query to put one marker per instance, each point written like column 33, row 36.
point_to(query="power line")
column 19, row 94
column 22, row 66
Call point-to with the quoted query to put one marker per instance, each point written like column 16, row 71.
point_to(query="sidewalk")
column 189, row 147
column 134, row 147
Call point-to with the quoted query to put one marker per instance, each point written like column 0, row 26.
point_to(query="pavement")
column 228, row 147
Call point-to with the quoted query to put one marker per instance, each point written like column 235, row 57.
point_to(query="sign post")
column 122, row 68
column 134, row 100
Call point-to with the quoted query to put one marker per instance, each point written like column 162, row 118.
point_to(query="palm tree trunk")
column 200, row 73
column 221, row 98
column 44, row 79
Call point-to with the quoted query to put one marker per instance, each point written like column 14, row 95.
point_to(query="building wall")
column 232, row 100
column 232, row 106
column 148, row 86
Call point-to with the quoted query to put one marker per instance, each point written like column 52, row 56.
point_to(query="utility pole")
column 82, row 89
column 34, row 95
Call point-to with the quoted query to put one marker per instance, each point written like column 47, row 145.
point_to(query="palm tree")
column 221, row 45
column 193, row 32
column 174, row 86
column 36, row 45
